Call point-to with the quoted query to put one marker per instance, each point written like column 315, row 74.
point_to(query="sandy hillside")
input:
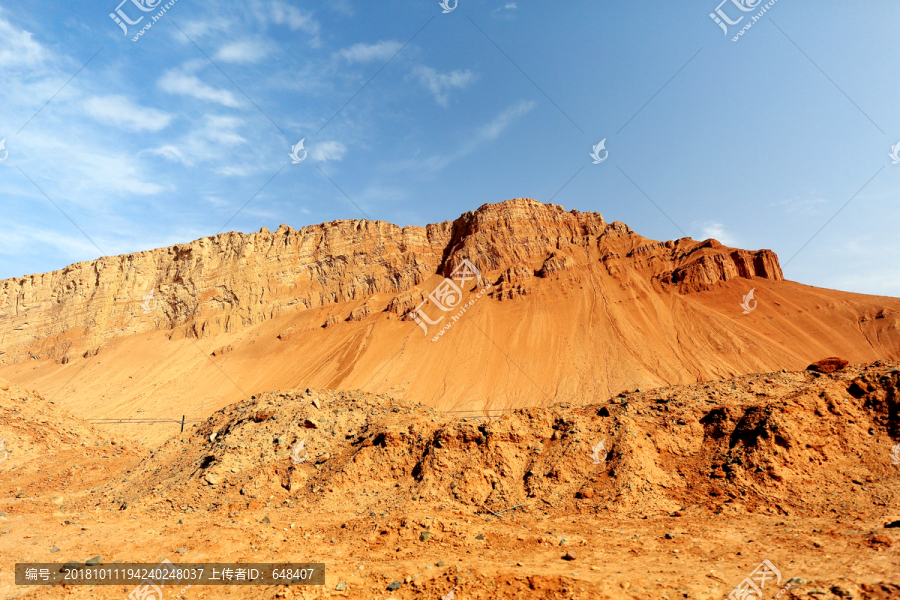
column 569, row 309
column 695, row 486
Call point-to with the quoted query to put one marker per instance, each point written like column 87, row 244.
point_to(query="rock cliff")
column 230, row 281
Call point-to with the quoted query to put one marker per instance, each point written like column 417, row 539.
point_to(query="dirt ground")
column 693, row 488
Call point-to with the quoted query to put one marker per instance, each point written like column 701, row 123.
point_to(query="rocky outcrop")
column 512, row 282
column 828, row 365
column 555, row 264
column 709, row 263
column 230, row 281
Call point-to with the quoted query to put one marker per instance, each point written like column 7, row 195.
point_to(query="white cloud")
column 19, row 239
column 363, row 53
column 89, row 173
column 18, row 48
column 484, row 134
column 244, row 51
column 499, row 124
column 504, row 11
column 281, row 13
column 808, row 205
column 330, row 150
column 208, row 141
column 216, row 201
column 717, row 232
column 236, row 170
column 176, row 82
column 341, row 6
column 491, row 131
column 122, row 112
column 75, row 160
column 170, row 152
column 197, row 29
column 221, row 129
column 440, row 83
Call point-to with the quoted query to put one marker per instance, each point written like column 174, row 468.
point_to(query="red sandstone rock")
column 828, row 365
column 262, row 416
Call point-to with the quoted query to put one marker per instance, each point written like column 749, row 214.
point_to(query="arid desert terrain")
column 610, row 416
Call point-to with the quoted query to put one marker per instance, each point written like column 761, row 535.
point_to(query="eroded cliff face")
column 212, row 285
column 231, row 281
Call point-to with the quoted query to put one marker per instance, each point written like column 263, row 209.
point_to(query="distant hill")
column 570, row 309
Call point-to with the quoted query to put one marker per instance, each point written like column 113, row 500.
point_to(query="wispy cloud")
column 807, row 205
column 178, row 82
column 281, row 13
column 244, row 51
column 483, row 135
column 505, row 10
column 499, row 124
column 170, row 152
column 236, row 170
column 341, row 6
column 200, row 28
column 440, row 83
column 207, row 142
column 19, row 48
column 363, row 53
column 718, row 232
column 328, row 150
column 19, row 239
column 120, row 111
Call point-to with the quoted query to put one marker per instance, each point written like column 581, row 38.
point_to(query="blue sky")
column 758, row 143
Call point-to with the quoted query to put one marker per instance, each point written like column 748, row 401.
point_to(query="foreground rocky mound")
column 785, row 442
